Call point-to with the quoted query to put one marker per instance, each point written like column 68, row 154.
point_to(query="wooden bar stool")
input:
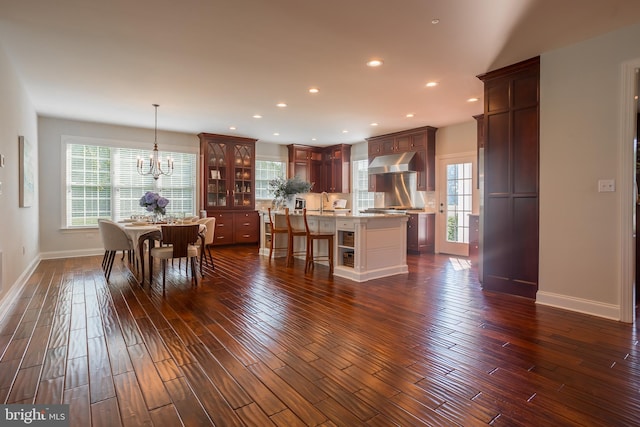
column 311, row 237
column 293, row 232
column 274, row 232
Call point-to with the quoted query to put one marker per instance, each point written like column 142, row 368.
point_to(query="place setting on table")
column 148, row 228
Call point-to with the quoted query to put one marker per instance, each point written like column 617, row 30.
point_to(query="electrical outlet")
column 606, row 185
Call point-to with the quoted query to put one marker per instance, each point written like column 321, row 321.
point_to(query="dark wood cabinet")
column 338, row 169
column 306, row 163
column 422, row 141
column 246, row 227
column 421, row 233
column 224, row 228
column 510, row 224
column 375, row 148
column 228, row 166
column 228, row 186
column 328, row 168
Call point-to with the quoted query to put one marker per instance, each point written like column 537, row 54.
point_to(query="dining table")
column 140, row 232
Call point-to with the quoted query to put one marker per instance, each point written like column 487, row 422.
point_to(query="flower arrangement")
column 284, row 188
column 154, row 202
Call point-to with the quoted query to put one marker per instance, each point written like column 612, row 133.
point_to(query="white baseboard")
column 12, row 294
column 594, row 308
column 72, row 254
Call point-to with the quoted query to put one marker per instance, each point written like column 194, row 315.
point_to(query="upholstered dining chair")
column 313, row 236
column 209, row 236
column 114, row 239
column 178, row 241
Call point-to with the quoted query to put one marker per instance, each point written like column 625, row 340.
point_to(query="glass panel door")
column 455, row 205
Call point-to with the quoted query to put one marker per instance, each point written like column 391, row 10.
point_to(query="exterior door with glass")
column 457, row 199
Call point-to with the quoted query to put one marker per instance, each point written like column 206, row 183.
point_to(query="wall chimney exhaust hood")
column 392, row 163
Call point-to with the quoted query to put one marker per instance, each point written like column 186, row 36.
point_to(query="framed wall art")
column 27, row 172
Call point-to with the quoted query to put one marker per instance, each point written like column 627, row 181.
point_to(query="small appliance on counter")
column 300, row 204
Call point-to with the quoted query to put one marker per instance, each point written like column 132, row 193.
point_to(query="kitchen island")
column 366, row 245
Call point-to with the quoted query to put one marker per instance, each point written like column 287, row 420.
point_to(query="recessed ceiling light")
column 473, row 100
column 257, row 116
column 314, row 139
column 314, row 90
column 276, row 134
column 374, row 124
column 232, row 127
column 375, row 63
column 281, row 104
column 435, row 21
column 432, row 84
column 345, row 131
column 410, row 115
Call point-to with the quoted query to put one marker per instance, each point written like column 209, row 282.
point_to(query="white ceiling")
column 214, row 64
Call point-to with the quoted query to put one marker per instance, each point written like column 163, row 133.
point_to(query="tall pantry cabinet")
column 227, row 165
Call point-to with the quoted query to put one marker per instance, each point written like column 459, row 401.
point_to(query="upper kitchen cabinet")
column 306, row 163
column 327, row 168
column 228, row 166
column 422, row 141
column 337, row 168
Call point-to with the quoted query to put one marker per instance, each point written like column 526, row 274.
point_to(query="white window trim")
column 114, row 143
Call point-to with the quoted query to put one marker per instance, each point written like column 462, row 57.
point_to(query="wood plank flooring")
column 259, row 344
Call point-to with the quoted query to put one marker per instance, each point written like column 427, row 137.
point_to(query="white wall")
column 456, row 139
column 18, row 226
column 55, row 241
column 580, row 143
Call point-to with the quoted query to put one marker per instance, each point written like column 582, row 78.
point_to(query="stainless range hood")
column 392, row 163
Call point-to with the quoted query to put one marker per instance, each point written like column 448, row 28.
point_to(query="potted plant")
column 284, row 189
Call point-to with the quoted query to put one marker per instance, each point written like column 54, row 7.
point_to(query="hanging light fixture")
column 155, row 162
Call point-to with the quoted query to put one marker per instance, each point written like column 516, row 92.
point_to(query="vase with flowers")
column 154, row 203
column 284, row 189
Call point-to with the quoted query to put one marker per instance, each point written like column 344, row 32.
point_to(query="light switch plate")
column 606, row 185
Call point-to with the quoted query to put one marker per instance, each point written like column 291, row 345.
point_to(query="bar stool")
column 311, row 237
column 292, row 234
column 274, row 232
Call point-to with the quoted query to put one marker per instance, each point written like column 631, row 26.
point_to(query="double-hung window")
column 102, row 181
column 362, row 198
column 266, row 170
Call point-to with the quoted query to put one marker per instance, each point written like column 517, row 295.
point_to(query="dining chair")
column 114, row 239
column 313, row 236
column 292, row 233
column 275, row 230
column 178, row 241
column 209, row 236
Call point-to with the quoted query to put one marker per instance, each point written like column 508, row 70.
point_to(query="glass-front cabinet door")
column 243, row 175
column 217, row 186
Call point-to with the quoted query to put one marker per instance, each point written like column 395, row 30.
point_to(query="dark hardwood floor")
column 259, row 344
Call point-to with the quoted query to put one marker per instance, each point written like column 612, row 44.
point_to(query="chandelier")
column 155, row 162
